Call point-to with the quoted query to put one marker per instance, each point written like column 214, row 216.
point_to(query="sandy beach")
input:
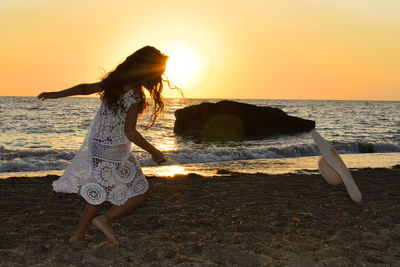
column 237, row 220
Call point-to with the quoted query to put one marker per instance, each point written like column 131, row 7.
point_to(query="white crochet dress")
column 104, row 169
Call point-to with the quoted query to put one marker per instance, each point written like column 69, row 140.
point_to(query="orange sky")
column 292, row 49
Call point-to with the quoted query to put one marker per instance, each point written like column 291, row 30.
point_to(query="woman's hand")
column 158, row 156
column 48, row 95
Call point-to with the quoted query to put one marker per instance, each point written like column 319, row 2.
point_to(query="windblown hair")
column 142, row 69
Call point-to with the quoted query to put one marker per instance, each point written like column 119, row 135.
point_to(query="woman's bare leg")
column 102, row 222
column 115, row 212
column 89, row 213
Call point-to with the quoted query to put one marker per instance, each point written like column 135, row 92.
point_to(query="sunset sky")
column 287, row 49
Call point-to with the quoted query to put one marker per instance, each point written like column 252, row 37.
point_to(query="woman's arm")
column 135, row 137
column 80, row 89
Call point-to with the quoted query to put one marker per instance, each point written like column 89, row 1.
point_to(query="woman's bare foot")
column 102, row 223
column 79, row 237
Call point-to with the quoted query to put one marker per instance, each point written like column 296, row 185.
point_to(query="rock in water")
column 231, row 120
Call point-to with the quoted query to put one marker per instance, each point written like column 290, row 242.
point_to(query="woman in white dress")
column 104, row 169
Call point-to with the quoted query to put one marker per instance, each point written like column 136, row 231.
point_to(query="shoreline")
column 190, row 220
column 296, row 165
column 218, row 173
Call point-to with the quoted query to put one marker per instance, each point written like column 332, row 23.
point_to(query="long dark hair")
column 142, row 69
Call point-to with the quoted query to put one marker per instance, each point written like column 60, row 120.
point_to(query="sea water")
column 41, row 137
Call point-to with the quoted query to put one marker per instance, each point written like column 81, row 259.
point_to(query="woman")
column 104, row 169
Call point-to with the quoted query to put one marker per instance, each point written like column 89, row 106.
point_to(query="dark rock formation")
column 230, row 120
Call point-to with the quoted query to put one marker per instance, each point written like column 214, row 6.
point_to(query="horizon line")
column 222, row 98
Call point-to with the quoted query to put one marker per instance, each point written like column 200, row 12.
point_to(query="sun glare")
column 186, row 64
column 170, row 171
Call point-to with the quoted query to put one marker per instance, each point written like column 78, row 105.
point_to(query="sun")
column 186, row 64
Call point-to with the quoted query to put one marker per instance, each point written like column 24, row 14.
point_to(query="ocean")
column 41, row 137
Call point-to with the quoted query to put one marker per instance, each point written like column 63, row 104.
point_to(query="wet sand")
column 237, row 220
